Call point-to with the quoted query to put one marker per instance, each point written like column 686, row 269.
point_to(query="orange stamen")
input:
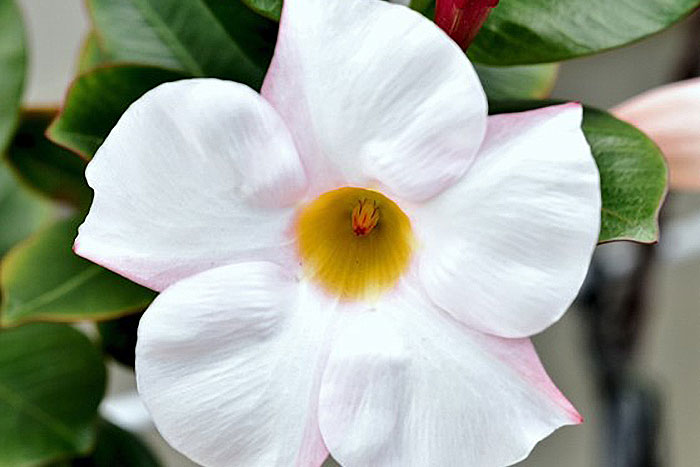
column 365, row 216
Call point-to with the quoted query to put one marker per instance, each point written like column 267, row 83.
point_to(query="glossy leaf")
column 633, row 173
column 51, row 382
column 97, row 99
column 518, row 82
column 12, row 68
column 44, row 166
column 213, row 38
column 633, row 178
column 21, row 212
column 115, row 448
column 43, row 280
column 521, row 32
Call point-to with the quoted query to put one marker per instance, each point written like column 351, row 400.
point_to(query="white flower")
column 352, row 262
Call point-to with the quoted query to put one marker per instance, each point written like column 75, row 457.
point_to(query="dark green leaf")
column 21, row 212
column 521, row 32
column 12, row 67
column 119, row 338
column 116, row 448
column 43, row 280
column 50, row 169
column 96, row 101
column 426, row 7
column 268, row 8
column 51, row 381
column 518, row 82
column 633, row 173
column 214, row 38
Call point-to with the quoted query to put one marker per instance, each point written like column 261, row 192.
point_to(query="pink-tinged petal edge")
column 507, row 248
column 408, row 385
column 528, row 364
column 151, row 219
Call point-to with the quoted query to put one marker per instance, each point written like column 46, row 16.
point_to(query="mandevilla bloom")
column 670, row 115
column 352, row 262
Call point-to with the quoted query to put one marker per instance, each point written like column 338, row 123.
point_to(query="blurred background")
column 667, row 354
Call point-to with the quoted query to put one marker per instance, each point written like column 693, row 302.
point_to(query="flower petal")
column 197, row 173
column 375, row 93
column 228, row 364
column 507, row 248
column 406, row 385
column 670, row 115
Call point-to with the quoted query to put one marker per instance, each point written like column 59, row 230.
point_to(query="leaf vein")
column 61, row 289
column 170, row 39
column 33, row 410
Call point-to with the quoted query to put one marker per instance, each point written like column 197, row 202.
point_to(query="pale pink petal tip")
column 670, row 115
column 534, row 174
column 387, row 400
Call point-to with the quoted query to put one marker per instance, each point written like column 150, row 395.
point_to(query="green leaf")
column 96, row 101
column 521, row 32
column 12, row 68
column 92, row 54
column 115, row 448
column 268, row 8
column 214, row 38
column 633, row 173
column 119, row 338
column 43, row 280
column 518, row 82
column 44, row 166
column 21, row 212
column 427, row 7
column 51, row 382
column 633, row 176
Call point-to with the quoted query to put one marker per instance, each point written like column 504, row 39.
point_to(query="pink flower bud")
column 462, row 19
column 670, row 115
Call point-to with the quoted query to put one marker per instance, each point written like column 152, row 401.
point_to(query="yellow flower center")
column 354, row 242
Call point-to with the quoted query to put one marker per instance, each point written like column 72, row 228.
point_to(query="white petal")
column 375, row 94
column 407, row 386
column 670, row 115
column 228, row 363
column 507, row 248
column 196, row 174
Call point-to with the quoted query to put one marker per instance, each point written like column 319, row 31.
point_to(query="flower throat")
column 355, row 243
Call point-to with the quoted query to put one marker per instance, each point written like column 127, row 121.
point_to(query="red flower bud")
column 462, row 19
